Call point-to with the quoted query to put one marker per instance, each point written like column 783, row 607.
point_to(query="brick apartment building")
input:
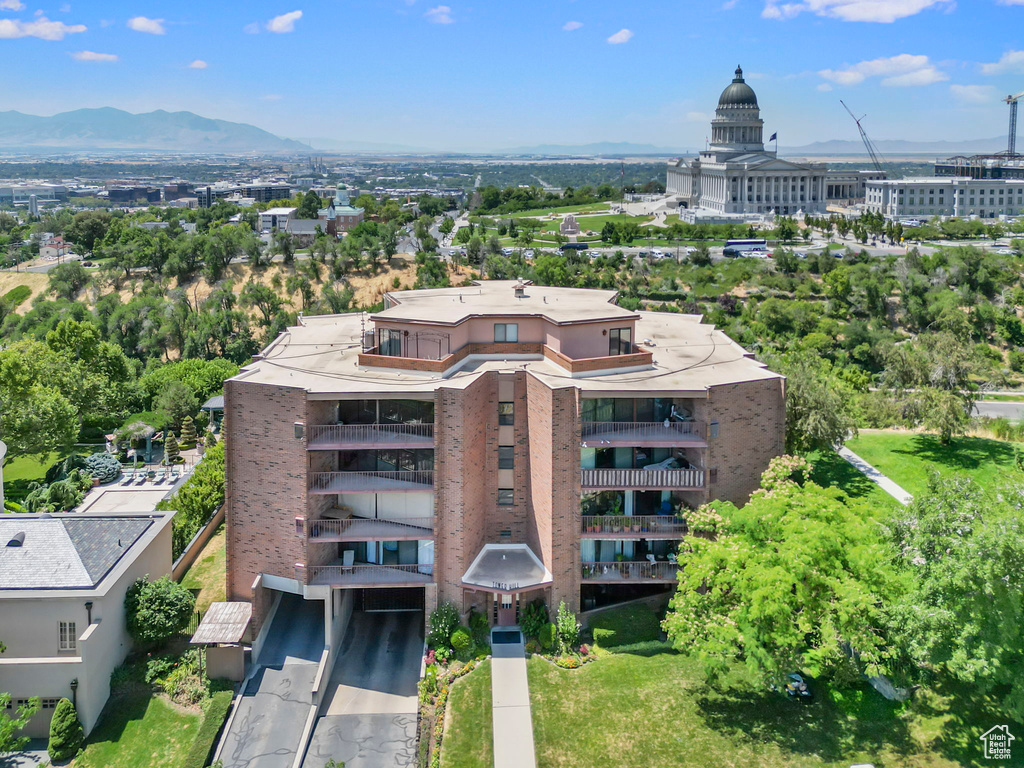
column 487, row 445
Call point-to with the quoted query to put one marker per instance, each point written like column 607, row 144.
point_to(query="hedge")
column 197, row 500
column 214, row 715
column 16, row 296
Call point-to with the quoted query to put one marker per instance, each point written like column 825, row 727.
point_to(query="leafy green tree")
column 960, row 550
column 819, row 412
column 262, row 297
column 309, row 206
column 68, row 280
column 156, row 610
column 197, row 500
column 447, row 225
column 12, row 724
column 88, row 228
column 175, row 402
column 66, row 733
column 792, row 580
column 474, row 249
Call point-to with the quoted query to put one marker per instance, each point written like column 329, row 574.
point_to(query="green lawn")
column 1003, row 398
column 28, row 468
column 140, row 730
column 595, row 223
column 635, row 711
column 909, row 458
column 626, row 625
column 538, row 212
column 206, row 576
column 832, row 469
column 469, row 737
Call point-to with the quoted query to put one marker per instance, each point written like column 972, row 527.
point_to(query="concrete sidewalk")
column 875, row 476
column 510, row 700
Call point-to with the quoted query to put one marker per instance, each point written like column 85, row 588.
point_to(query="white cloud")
column 824, row 87
column 622, row 36
column 972, row 94
column 728, row 5
column 442, row 14
column 66, row 8
column 93, row 56
column 1011, row 61
column 284, row 23
column 198, row 64
column 271, row 97
column 149, row 26
column 12, row 5
column 881, row 11
column 1010, row 2
column 251, row 29
column 570, row 26
column 40, row 27
column 896, row 71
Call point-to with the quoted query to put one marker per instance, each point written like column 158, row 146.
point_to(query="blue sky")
column 481, row 75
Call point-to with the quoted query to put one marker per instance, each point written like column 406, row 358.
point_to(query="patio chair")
column 141, row 477
column 160, row 475
column 348, row 557
column 129, row 477
column 175, row 475
column 651, row 559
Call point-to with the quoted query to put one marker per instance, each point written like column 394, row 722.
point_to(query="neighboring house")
column 339, row 215
column 488, row 445
column 276, row 218
column 63, row 580
column 54, row 247
column 305, row 230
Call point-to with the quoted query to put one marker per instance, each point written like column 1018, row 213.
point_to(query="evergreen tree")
column 66, row 734
column 188, row 431
column 211, row 439
column 171, row 449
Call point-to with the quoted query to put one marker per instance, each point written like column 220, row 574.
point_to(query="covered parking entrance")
column 384, row 599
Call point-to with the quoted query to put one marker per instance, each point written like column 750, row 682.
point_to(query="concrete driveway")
column 266, row 729
column 369, row 715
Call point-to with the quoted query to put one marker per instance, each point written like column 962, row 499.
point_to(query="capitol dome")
column 738, row 93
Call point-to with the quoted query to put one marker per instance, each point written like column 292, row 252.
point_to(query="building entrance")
column 506, row 610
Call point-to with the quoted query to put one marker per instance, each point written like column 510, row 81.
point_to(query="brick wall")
column 266, row 483
column 751, row 420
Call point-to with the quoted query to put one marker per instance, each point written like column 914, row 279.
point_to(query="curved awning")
column 506, row 568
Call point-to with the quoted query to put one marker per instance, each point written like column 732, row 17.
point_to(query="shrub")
column 188, row 432
column 160, row 666
column 61, row 469
column 210, row 439
column 171, row 451
column 462, row 641
column 156, row 610
column 444, row 620
column 214, row 714
column 66, row 734
column 479, row 625
column 535, row 616
column 546, row 636
column 103, row 466
column 197, row 500
column 568, row 627
column 16, row 296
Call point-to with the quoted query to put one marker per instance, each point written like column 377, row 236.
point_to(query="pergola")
column 221, row 631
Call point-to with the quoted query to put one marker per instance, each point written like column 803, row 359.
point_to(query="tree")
column 474, row 248
column 262, row 297
column 171, row 450
column 12, row 724
column 66, row 733
column 67, row 280
column 309, row 206
column 176, row 402
column 818, row 402
column 447, row 225
column 794, row 579
column 188, row 431
column 156, row 610
column 960, row 549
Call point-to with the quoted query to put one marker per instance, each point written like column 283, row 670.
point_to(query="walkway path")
column 875, row 476
column 510, row 699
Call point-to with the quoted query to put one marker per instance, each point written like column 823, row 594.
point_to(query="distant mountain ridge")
column 110, row 128
column 596, row 148
column 895, row 146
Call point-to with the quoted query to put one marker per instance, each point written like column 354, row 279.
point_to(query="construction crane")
column 873, row 152
column 1011, row 144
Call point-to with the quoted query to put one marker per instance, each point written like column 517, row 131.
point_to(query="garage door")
column 392, row 599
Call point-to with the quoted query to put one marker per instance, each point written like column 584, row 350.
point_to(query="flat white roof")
column 277, row 211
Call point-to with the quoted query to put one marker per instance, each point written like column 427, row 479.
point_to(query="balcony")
column 648, row 526
column 371, row 482
column 618, row 572
column 326, row 437
column 642, row 479
column 363, row 575
column 370, row 529
column 655, row 434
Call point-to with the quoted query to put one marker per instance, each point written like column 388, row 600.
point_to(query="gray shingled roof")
column 215, row 403
column 64, row 553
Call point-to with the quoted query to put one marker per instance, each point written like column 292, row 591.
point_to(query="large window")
column 68, row 639
column 620, row 341
column 386, row 460
column 506, row 497
column 506, row 414
column 390, row 342
column 506, row 457
column 506, row 332
column 385, row 412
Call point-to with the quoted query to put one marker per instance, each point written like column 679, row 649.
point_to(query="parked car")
column 1005, row 251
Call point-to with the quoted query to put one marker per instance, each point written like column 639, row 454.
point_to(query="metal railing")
column 358, row 528
column 642, row 478
column 353, row 575
column 643, row 430
column 329, row 435
column 627, row 570
column 645, row 524
column 399, row 480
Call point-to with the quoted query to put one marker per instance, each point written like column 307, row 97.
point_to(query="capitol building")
column 735, row 177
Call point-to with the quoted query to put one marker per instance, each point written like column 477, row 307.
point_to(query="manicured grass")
column 469, row 736
column 633, row 711
column 1003, row 398
column 29, row 468
column 832, row 469
column 909, row 458
column 140, row 730
column 207, row 573
column 538, row 212
column 595, row 223
column 629, row 624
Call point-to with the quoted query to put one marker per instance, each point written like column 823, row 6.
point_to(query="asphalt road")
column 994, row 409
column 369, row 718
column 266, row 729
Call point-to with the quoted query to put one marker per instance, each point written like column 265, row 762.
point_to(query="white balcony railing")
column 381, row 482
column 643, row 432
column 642, row 479
column 329, row 436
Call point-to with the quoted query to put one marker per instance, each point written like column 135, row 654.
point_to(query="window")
column 505, row 497
column 390, row 342
column 67, row 637
column 506, row 332
column 506, row 414
column 49, row 703
column 506, row 457
column 620, row 341
column 713, row 429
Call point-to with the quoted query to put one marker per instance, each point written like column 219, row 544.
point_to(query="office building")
column 946, row 196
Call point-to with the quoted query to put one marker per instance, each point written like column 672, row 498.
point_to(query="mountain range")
column 109, row 128
column 897, row 146
column 616, row 148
